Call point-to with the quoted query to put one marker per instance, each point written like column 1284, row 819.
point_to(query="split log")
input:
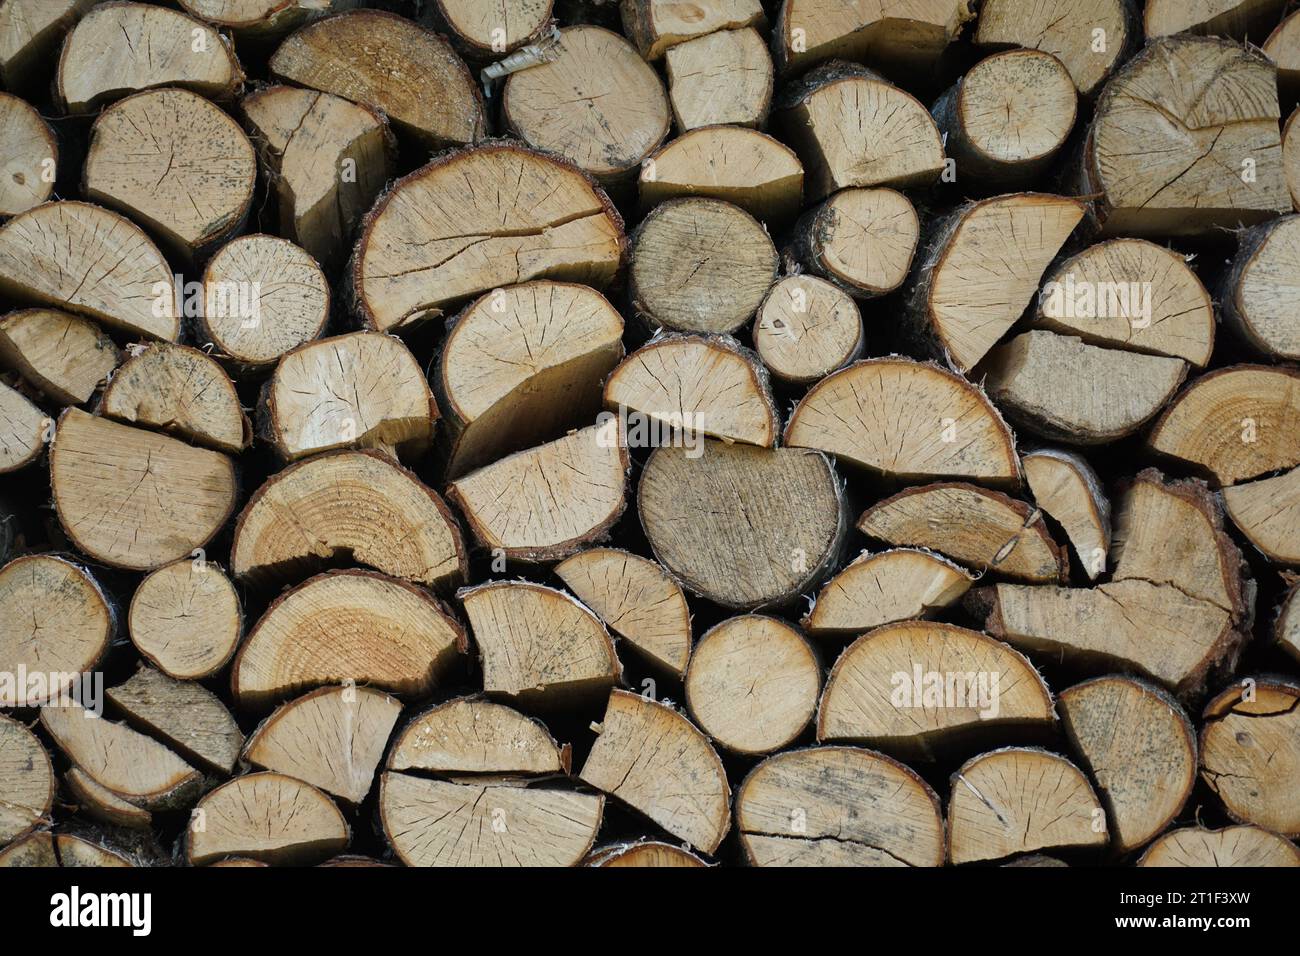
column 838, row 806
column 449, row 232
column 745, row 527
column 354, row 506
column 103, row 804
column 807, row 328
column 346, row 626
column 29, row 157
column 538, row 646
column 654, row 760
column 871, row 415
column 876, row 589
column 752, row 684
column 135, row 499
column 30, row 31
column 908, row 38
column 328, row 159
column 546, row 503
column 182, row 714
column 1231, row 846
column 702, row 385
column 99, row 62
column 1017, row 800
column 488, row 31
column 521, row 364
column 45, row 850
column 475, row 736
column 178, row 390
column 974, row 526
column 1065, row 486
column 1286, row 629
column 65, row 356
column 863, row 240
column 1283, row 48
column 1240, row 19
column 1261, row 294
column 259, row 19
column 26, row 430
column 700, row 265
column 759, row 174
column 1167, row 161
column 1267, row 512
column 899, row 144
column 1067, row 29
column 964, row 300
column 594, row 101
column 332, row 738
column 724, row 77
column 1139, row 746
column 267, row 817
column 84, row 259
column 918, row 687
column 636, row 599
column 27, row 781
column 262, row 297
column 185, row 619
column 68, row 624
column 658, row 25
column 360, row 390
column 643, row 853
column 392, row 65
column 1007, row 118
column 1250, row 752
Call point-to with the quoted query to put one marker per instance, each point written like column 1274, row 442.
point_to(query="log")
column 720, row 78
column 65, row 356
column 643, row 853
column 26, row 430
column 267, row 817
column 908, row 38
column 1241, row 19
column 1261, row 292
column 876, row 589
column 656, row 26
column 259, row 19
column 1231, row 846
column 29, row 157
column 1286, row 629
column 484, row 31
column 182, row 714
column 1068, row 30
column 807, row 328
column 1065, row 486
column 45, row 849
column 185, row 619
column 103, row 804
column 863, row 240
column 471, row 735
column 31, row 30
column 700, row 265
column 1283, row 47
column 1267, row 513
column 27, row 781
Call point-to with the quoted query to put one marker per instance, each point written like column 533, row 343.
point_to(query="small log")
column 643, row 853
column 1067, row 29
column 656, row 26
column 1240, row 19
column 807, row 328
column 636, row 599
column 1267, row 512
column 65, row 356
column 1286, row 629
column 745, row 527
column 346, row 626
column 182, row 714
column 470, row 735
column 538, row 646
column 392, row 65
column 488, row 31
column 875, row 589
column 185, row 619
column 31, row 32
column 704, row 385
column 27, row 781
column 332, row 738
column 700, row 265
column 838, row 806
column 29, row 157
column 44, row 849
column 103, row 804
column 1065, row 486
column 99, row 62
column 723, row 77
column 26, row 430
column 863, row 240
column 306, row 518
column 752, row 684
column 1139, row 746
column 1231, row 846
column 1261, row 293
column 267, row 817
column 1017, row 800
column 521, row 364
column 899, row 144
column 679, row 782
column 907, row 39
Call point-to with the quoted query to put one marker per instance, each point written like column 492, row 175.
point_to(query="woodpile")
column 525, row 433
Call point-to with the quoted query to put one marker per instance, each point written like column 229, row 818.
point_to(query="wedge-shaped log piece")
column 636, row 599
column 30, row 31
column 653, row 759
column 361, row 390
column 354, row 505
column 26, row 781
column 103, row 804
column 1139, row 746
column 1067, row 30
column 745, row 527
column 346, row 625
column 894, row 585
column 707, row 385
column 473, row 221
column 26, row 430
column 333, row 738
column 392, row 65
column 1066, row 487
column 521, row 364
column 46, row 850
column 964, row 299
column 185, row 619
column 863, row 240
column 1017, row 800
column 1241, row 19
column 1232, row 846
column 131, row 765
column 1171, row 136
column 485, row 31
column 974, row 526
column 724, row 77
column 29, row 156
column 65, row 356
column 643, row 853
column 135, row 499
column 1060, row 387
column 84, row 259
column 545, row 503
column 907, row 420
column 910, row 37
column 656, row 26
column 470, row 735
column 57, row 622
column 267, row 817
column 807, row 328
column 838, row 806
column 183, row 714
column 1250, row 752
column 1233, row 423
column 100, row 61
column 436, row 823
column 538, row 646
column 1261, row 298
